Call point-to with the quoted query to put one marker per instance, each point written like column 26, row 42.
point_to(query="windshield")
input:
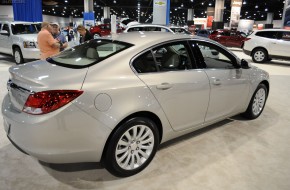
column 25, row 28
column 88, row 53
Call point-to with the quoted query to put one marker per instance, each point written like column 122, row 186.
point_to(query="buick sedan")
column 114, row 100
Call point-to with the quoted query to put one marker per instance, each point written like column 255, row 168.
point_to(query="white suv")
column 20, row 40
column 264, row 45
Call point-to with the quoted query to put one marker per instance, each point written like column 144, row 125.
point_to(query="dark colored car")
column 229, row 38
column 203, row 33
column 102, row 30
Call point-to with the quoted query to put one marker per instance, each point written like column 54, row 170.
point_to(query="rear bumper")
column 67, row 135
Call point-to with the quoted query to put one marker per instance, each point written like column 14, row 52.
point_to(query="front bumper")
column 67, row 135
column 30, row 53
column 247, row 52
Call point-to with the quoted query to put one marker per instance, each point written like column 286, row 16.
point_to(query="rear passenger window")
column 145, row 63
column 267, row 34
column 286, row 36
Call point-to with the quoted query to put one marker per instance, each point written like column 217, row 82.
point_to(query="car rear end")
column 41, row 117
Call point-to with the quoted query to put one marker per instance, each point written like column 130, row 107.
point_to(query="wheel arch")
column 266, row 83
column 259, row 47
column 15, row 46
column 146, row 114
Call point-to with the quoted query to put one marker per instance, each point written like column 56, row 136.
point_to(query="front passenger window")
column 215, row 57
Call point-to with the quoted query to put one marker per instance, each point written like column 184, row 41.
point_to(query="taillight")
column 48, row 101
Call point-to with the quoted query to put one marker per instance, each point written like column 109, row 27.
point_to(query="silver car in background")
column 115, row 100
column 19, row 39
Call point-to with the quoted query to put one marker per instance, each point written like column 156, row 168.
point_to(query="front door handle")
column 217, row 82
column 164, row 86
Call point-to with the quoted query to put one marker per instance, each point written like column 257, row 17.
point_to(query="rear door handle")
column 164, row 86
column 217, row 82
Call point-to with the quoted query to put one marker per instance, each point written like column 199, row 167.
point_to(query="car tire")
column 257, row 103
column 96, row 35
column 131, row 147
column 259, row 55
column 18, row 57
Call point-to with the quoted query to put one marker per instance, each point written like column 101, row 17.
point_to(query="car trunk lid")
column 41, row 76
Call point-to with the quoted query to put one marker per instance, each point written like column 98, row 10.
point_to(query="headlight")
column 28, row 44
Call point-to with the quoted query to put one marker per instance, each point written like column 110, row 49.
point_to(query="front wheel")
column 131, row 147
column 259, row 55
column 18, row 56
column 257, row 102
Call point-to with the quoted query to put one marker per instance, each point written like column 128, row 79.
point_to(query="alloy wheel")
column 134, row 147
column 259, row 101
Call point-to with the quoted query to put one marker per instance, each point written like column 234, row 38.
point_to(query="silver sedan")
column 114, row 100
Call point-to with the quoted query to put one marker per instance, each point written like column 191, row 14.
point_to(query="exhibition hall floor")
column 235, row 154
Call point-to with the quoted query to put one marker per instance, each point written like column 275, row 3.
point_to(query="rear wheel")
column 132, row 147
column 257, row 102
column 259, row 55
column 18, row 56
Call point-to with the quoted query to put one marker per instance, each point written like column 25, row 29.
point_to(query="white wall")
column 276, row 23
column 6, row 13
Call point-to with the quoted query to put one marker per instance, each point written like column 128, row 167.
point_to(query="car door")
column 222, row 38
column 235, row 40
column 182, row 91
column 281, row 45
column 5, row 40
column 229, row 85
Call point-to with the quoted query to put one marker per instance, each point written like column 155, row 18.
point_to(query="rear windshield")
column 88, row 53
column 25, row 28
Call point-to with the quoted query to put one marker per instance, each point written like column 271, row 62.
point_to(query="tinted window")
column 135, row 29
column 267, row 34
column 6, row 28
column 0, row 26
column 172, row 57
column 216, row 57
column 285, row 36
column 24, row 28
column 169, row 57
column 88, row 53
column 225, row 33
column 145, row 63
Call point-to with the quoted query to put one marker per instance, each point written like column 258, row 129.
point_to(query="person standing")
column 58, row 35
column 85, row 35
column 48, row 46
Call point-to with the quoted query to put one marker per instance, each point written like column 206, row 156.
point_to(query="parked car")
column 103, row 30
column 264, row 45
column 203, row 33
column 114, row 100
column 229, row 38
column 20, row 40
column 156, row 28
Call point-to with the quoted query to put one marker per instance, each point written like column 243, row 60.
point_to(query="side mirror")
column 244, row 64
column 4, row 32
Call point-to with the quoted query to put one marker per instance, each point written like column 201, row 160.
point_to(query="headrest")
column 92, row 53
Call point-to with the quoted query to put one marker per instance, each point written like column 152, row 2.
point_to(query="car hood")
column 41, row 75
column 27, row 37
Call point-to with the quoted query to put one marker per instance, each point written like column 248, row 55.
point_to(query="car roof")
column 151, row 38
column 272, row 29
column 144, row 25
column 20, row 22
